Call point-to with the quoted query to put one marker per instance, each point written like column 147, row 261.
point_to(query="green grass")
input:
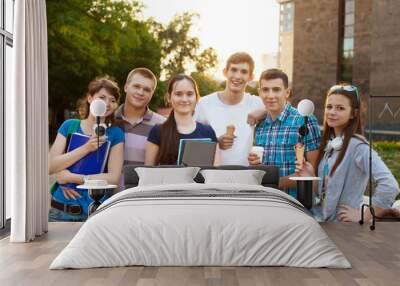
column 390, row 154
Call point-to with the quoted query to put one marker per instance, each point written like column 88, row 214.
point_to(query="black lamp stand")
column 371, row 208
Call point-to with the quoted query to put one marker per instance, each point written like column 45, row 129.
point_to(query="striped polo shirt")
column 136, row 134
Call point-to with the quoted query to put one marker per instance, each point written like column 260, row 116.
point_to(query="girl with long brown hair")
column 70, row 203
column 163, row 140
column 343, row 162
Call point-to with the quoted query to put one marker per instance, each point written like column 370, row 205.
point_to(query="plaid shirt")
column 279, row 138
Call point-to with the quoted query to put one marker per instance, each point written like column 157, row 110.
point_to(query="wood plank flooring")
column 374, row 255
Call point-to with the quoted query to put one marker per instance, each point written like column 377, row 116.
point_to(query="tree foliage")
column 205, row 83
column 179, row 49
column 206, row 60
column 87, row 38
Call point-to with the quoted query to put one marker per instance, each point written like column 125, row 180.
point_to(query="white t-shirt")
column 212, row 111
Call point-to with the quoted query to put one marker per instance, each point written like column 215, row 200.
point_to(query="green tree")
column 87, row 38
column 179, row 48
column 206, row 60
column 206, row 83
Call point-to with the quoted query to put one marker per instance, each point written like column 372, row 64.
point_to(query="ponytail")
column 169, row 142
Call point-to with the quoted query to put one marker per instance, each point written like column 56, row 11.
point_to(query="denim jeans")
column 57, row 215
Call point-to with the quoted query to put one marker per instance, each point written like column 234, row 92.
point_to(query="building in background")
column 269, row 61
column 323, row 42
column 286, row 25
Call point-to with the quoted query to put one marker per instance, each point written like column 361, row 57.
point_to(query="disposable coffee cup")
column 258, row 150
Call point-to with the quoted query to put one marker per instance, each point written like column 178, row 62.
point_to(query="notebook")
column 199, row 153
column 92, row 163
column 182, row 143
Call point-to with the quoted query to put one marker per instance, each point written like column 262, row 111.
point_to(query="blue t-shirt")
column 201, row 131
column 114, row 134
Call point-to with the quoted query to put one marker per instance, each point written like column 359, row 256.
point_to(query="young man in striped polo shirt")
column 278, row 131
column 134, row 116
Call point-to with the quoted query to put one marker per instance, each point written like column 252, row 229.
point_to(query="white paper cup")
column 258, row 150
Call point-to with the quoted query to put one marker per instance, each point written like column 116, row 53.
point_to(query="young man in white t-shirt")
column 231, row 107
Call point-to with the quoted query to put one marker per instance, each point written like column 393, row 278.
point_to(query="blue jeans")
column 57, row 215
column 84, row 201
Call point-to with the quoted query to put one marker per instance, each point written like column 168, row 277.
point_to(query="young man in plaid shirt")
column 278, row 131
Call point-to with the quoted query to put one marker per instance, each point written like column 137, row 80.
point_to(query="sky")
column 227, row 26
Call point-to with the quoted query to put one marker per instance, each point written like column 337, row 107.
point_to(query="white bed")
column 201, row 224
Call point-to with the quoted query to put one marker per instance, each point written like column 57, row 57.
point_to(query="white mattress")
column 267, row 229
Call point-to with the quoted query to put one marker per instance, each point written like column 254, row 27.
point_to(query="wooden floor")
column 374, row 255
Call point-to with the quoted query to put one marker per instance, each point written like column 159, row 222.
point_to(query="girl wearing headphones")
column 343, row 163
column 67, row 202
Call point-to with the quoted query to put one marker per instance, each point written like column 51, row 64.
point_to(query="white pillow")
column 248, row 177
column 166, row 176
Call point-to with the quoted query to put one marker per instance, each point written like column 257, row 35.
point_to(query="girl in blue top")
column 163, row 141
column 71, row 204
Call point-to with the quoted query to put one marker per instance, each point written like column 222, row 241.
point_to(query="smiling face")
column 274, row 95
column 183, row 97
column 107, row 97
column 139, row 91
column 237, row 77
column 338, row 112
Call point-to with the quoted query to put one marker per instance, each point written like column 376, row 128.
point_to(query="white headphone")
column 99, row 129
column 334, row 144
